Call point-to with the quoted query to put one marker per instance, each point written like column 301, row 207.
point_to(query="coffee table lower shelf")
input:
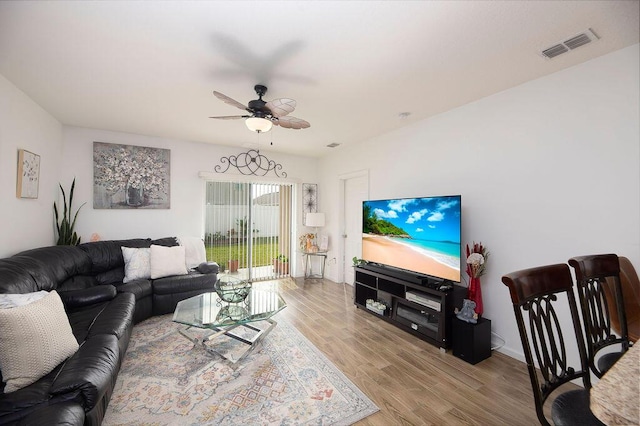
column 251, row 338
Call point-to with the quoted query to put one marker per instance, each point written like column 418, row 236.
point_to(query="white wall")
column 547, row 170
column 26, row 223
column 185, row 217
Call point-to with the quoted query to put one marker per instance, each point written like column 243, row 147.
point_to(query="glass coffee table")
column 235, row 320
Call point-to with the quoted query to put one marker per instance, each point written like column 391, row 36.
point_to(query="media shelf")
column 418, row 304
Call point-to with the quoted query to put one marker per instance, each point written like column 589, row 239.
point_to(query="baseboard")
column 512, row 354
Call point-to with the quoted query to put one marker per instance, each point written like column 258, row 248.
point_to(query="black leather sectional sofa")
column 101, row 311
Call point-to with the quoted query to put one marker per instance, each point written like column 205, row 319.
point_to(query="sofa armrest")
column 68, row 413
column 90, row 371
column 77, row 298
column 208, row 268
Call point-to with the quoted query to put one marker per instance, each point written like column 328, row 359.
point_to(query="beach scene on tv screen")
column 417, row 234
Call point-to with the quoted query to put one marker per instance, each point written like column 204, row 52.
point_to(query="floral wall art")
column 130, row 177
column 28, row 174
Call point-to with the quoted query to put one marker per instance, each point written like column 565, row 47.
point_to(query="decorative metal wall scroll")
column 250, row 163
column 309, row 199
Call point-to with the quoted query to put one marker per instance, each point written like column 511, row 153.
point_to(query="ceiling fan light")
column 258, row 125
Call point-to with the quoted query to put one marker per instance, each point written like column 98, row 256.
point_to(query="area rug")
column 166, row 380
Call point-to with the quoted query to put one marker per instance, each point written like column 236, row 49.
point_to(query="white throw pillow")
column 34, row 339
column 167, row 261
column 20, row 299
column 194, row 250
column 137, row 263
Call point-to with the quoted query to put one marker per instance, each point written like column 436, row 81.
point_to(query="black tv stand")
column 418, row 304
column 408, row 276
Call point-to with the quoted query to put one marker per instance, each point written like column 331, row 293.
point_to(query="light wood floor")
column 411, row 381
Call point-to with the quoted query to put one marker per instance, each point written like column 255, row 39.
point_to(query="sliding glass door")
column 248, row 228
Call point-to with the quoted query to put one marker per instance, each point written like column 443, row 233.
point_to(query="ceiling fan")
column 264, row 114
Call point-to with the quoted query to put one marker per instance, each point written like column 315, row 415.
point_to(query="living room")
column 548, row 168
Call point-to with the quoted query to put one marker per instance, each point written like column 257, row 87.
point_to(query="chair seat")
column 572, row 408
column 606, row 361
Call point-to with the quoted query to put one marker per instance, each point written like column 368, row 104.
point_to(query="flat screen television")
column 415, row 234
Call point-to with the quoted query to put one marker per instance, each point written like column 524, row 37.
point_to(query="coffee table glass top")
column 207, row 310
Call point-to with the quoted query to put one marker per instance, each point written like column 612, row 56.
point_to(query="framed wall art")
column 28, row 174
column 130, row 177
column 309, row 200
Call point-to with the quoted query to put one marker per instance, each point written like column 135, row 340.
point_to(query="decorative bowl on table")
column 233, row 313
column 231, row 289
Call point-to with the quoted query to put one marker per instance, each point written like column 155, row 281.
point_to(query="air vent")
column 554, row 51
column 333, row 145
column 574, row 42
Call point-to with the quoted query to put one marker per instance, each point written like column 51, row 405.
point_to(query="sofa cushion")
column 73, row 299
column 167, row 292
column 34, row 339
column 139, row 288
column 107, row 255
column 184, row 283
column 167, row 261
column 195, row 252
column 23, row 276
column 78, row 282
column 137, row 263
column 58, row 262
column 112, row 276
column 166, row 242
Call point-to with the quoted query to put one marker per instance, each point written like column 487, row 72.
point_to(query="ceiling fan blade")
column 281, row 107
column 228, row 100
column 231, row 117
column 292, row 123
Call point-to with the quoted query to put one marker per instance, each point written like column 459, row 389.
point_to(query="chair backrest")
column 631, row 296
column 535, row 291
column 598, row 281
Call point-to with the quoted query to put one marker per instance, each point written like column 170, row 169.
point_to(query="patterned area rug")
column 165, row 380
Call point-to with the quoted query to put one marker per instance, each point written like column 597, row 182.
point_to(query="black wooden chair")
column 598, row 281
column 536, row 292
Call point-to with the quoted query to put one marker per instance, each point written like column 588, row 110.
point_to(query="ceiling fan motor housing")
column 258, row 107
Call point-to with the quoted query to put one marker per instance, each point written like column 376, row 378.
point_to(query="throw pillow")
column 194, row 250
column 34, row 339
column 137, row 263
column 167, row 261
column 20, row 299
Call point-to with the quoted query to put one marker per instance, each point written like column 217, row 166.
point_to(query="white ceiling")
column 150, row 67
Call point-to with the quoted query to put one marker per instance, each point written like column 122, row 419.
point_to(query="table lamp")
column 315, row 220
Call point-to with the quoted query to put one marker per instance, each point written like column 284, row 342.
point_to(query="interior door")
column 356, row 190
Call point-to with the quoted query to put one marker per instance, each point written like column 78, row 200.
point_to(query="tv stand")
column 418, row 304
column 408, row 276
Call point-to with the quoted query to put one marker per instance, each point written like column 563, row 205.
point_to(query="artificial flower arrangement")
column 477, row 257
column 306, row 241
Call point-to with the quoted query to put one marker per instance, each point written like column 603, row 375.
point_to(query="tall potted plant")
column 66, row 235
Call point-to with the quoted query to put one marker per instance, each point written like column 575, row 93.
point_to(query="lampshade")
column 259, row 125
column 314, row 219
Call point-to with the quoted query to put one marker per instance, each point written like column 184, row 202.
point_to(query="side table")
column 307, row 263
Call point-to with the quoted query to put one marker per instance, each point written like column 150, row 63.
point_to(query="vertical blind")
column 248, row 228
